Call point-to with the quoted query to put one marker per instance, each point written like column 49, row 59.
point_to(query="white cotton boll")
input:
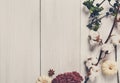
column 94, row 60
column 107, row 48
column 91, row 61
column 88, row 64
column 94, row 34
column 95, row 69
column 94, row 38
column 93, row 43
column 92, row 77
column 94, row 72
column 115, row 39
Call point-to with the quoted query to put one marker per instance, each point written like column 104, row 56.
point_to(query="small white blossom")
column 94, row 37
column 94, row 72
column 107, row 48
column 90, row 62
column 115, row 39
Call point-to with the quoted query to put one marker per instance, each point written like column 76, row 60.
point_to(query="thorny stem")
column 118, row 81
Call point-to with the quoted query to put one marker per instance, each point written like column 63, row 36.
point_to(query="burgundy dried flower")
column 51, row 72
column 69, row 77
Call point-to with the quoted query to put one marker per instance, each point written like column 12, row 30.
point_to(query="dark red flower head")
column 69, row 77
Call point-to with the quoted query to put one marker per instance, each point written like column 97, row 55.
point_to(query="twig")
column 118, row 81
column 97, row 19
column 116, row 61
column 112, row 26
column 99, row 57
column 86, row 80
column 115, row 52
column 101, row 2
column 110, row 4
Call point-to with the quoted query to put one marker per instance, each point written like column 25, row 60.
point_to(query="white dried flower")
column 94, row 72
column 107, row 48
column 109, row 67
column 90, row 62
column 115, row 39
column 94, row 37
column 44, row 79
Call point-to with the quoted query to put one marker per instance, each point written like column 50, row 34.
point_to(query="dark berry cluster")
column 95, row 10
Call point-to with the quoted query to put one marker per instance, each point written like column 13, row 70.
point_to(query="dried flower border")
column 92, row 62
column 68, row 77
column 95, row 22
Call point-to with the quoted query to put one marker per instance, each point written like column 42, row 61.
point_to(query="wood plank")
column 60, row 37
column 19, row 41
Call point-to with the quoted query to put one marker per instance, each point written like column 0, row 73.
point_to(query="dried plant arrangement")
column 100, row 62
column 67, row 77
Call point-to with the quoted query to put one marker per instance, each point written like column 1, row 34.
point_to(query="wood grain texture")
column 60, row 37
column 64, row 45
column 19, row 41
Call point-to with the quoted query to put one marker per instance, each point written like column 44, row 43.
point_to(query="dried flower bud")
column 51, row 72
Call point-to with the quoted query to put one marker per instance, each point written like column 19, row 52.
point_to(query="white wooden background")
column 60, row 37
column 19, row 41
column 62, row 42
